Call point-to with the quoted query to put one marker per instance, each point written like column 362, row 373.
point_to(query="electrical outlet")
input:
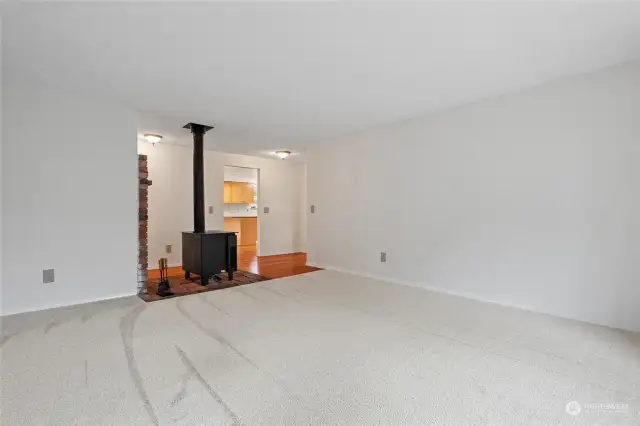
column 48, row 276
column 266, row 209
column 313, row 208
column 168, row 248
column 383, row 257
column 210, row 209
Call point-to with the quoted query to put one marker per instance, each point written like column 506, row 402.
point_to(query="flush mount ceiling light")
column 153, row 138
column 282, row 154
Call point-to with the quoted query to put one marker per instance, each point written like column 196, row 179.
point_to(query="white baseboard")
column 465, row 295
column 404, row 282
column 72, row 303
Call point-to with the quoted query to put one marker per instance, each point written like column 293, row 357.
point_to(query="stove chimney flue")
column 198, row 131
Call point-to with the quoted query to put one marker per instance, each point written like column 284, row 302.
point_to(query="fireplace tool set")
column 164, row 288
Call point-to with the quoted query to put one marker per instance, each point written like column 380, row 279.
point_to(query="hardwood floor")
column 278, row 266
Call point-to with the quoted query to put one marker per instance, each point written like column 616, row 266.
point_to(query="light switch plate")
column 168, row 248
column 383, row 257
column 313, row 208
column 48, row 276
column 266, row 209
column 210, row 209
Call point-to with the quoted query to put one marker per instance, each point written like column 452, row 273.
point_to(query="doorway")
column 241, row 210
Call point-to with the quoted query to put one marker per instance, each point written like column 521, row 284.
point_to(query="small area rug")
column 182, row 287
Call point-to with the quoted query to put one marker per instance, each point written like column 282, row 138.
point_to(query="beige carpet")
column 314, row 349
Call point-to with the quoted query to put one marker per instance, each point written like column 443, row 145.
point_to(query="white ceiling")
column 284, row 75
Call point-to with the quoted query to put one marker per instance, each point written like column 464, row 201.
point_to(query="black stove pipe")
column 198, row 131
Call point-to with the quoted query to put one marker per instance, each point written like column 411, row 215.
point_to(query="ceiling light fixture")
column 153, row 138
column 283, row 154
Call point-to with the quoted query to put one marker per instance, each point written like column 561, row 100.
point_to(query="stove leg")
column 229, row 267
column 204, row 281
column 187, row 275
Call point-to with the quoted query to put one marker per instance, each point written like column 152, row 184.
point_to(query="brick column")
column 143, row 219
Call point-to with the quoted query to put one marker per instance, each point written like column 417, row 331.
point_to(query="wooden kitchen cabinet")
column 246, row 228
column 248, row 193
column 227, row 192
column 238, row 192
column 232, row 224
column 249, row 231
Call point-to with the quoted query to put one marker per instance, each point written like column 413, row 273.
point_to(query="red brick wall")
column 143, row 219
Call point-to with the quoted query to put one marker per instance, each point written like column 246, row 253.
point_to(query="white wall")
column 69, row 199
column 171, row 198
column 1, row 173
column 530, row 199
column 302, row 210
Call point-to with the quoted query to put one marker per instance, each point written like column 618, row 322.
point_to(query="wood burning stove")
column 205, row 253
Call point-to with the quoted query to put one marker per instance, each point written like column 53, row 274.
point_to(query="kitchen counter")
column 247, row 214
